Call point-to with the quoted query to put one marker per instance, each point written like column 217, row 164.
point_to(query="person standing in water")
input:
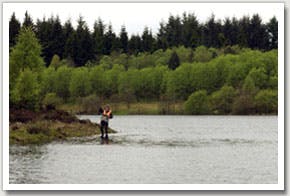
column 106, row 115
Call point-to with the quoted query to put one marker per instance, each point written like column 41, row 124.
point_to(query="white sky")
column 135, row 16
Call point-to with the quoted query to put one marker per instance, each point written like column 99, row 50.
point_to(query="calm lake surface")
column 158, row 149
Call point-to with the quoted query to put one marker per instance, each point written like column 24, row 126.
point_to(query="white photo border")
column 5, row 141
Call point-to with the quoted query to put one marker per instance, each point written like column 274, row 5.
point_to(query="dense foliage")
column 214, row 78
column 80, row 45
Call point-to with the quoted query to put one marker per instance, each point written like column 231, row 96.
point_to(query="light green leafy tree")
column 106, row 62
column 204, row 76
column 236, row 75
column 127, row 86
column 179, row 83
column 162, row 57
column 221, row 101
column 98, row 82
column 202, row 54
column 26, row 91
column 149, row 84
column 111, row 80
column 55, row 61
column 266, row 101
column 62, row 82
column 197, row 103
column 26, row 54
column 273, row 82
column 121, row 59
column 48, row 81
column 51, row 101
column 244, row 103
column 185, row 54
column 223, row 65
column 259, row 77
column 270, row 62
column 80, row 85
column 249, row 86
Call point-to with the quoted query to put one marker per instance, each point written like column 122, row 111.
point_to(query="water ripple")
column 143, row 141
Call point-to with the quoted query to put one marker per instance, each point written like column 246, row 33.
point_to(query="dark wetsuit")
column 105, row 123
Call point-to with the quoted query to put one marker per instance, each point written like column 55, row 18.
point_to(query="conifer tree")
column 14, row 28
column 28, row 22
column 98, row 37
column 173, row 61
column 124, row 40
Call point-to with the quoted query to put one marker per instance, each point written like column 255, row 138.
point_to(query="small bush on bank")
column 90, row 104
column 51, row 101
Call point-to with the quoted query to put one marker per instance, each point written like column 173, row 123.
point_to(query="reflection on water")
column 158, row 149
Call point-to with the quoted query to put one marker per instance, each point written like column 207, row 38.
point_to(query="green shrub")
column 51, row 101
column 197, row 103
column 243, row 105
column 221, row 101
column 26, row 91
column 266, row 101
column 202, row 54
column 55, row 61
column 259, row 77
column 90, row 104
column 80, row 85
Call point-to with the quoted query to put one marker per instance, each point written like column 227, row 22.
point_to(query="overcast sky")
column 135, row 16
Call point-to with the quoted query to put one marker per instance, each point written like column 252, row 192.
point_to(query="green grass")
column 71, row 108
column 138, row 108
column 135, row 108
column 44, row 131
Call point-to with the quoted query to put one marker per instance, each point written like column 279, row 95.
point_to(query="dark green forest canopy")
column 81, row 45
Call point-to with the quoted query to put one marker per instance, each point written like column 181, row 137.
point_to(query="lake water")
column 158, row 149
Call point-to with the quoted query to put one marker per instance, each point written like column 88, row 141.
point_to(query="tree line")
column 231, row 80
column 81, row 45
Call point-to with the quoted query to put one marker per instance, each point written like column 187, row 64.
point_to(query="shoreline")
column 146, row 108
column 28, row 127
column 45, row 126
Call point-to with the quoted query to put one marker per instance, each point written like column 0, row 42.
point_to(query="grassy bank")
column 158, row 108
column 27, row 127
column 121, row 108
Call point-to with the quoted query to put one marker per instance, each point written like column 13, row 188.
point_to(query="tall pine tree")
column 69, row 37
column 14, row 27
column 190, row 31
column 83, row 44
column 57, row 39
column 173, row 31
column 147, row 40
column 98, row 37
column 110, row 41
column 135, row 44
column 174, row 61
column 28, row 22
column 258, row 36
column 272, row 30
column 161, row 37
column 212, row 33
column 244, row 32
column 123, row 40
